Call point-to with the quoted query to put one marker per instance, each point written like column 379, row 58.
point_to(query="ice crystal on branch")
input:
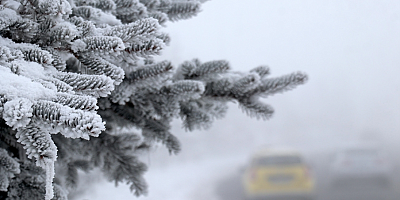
column 73, row 74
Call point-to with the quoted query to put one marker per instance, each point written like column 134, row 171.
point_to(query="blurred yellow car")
column 278, row 174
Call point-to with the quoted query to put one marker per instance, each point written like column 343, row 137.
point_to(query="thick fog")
column 349, row 49
column 351, row 53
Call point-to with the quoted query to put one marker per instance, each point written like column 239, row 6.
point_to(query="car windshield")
column 278, row 160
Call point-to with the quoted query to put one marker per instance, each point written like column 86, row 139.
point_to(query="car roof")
column 276, row 151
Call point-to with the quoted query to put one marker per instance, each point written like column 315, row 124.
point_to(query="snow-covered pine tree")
column 81, row 89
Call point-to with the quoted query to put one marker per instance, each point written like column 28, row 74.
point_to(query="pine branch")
column 130, row 10
column 9, row 142
column 59, row 193
column 114, row 156
column 195, row 70
column 183, row 10
column 68, row 121
column 262, row 71
column 77, row 101
column 37, row 55
column 100, row 44
column 23, row 30
column 150, row 4
column 135, row 32
column 149, row 76
column 100, row 66
column 254, row 108
column 7, row 163
column 8, row 168
column 161, row 17
column 50, row 7
column 128, row 112
column 149, row 71
column 199, row 114
column 86, row 12
column 61, row 32
column 37, row 144
column 154, row 129
column 184, row 90
column 219, row 88
column 58, row 61
column 244, row 84
column 30, row 184
column 158, row 130
column 194, row 118
column 95, row 85
column 105, row 5
column 280, row 84
column 61, row 85
column 3, row 100
column 122, row 93
column 40, row 146
column 145, row 49
column 44, row 25
column 86, row 28
column 71, row 178
column 173, row 145
column 165, row 38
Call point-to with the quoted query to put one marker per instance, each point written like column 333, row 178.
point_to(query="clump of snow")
column 14, row 5
column 15, row 86
column 30, row 69
column 17, row 112
column 106, row 18
column 78, row 45
column 8, row 55
column 66, row 8
column 7, row 17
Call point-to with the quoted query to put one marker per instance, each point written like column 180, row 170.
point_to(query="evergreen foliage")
column 75, row 73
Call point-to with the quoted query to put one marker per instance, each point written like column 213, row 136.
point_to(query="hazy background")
column 350, row 50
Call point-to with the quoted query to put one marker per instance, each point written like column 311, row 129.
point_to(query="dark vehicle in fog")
column 361, row 166
column 276, row 173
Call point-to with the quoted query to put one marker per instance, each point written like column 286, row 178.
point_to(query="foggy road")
column 219, row 178
column 230, row 188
